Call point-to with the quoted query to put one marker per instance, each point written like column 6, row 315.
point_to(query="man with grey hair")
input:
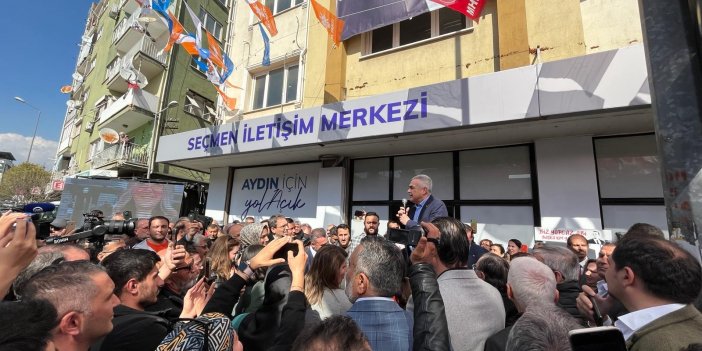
column 374, row 276
column 40, row 262
column 529, row 283
column 426, row 207
column 318, row 238
column 566, row 267
column 83, row 295
column 542, row 328
column 463, row 292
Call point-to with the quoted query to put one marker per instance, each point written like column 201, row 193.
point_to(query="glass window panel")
column 270, row 4
column 357, row 224
column 283, row 5
column 371, row 179
column 501, row 223
column 382, row 39
column 628, row 167
column 259, row 89
column 620, row 218
column 275, row 87
column 415, row 29
column 500, row 173
column 291, row 90
column 439, row 167
column 450, row 21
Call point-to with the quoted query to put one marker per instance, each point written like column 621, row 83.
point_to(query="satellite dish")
column 109, row 135
column 77, row 76
column 131, row 74
column 66, row 89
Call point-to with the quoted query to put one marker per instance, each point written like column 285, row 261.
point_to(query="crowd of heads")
column 71, row 298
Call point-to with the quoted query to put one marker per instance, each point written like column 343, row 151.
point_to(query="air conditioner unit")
column 210, row 118
column 89, row 127
column 193, row 110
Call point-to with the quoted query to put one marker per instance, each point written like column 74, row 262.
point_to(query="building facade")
column 538, row 115
column 119, row 44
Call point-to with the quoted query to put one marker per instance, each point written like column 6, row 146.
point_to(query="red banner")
column 470, row 8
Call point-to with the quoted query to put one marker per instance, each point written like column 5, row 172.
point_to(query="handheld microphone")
column 404, row 203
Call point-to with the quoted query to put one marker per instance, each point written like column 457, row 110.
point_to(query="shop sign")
column 265, row 191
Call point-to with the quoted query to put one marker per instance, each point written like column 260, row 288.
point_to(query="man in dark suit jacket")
column 426, row 207
column 318, row 238
column 373, row 277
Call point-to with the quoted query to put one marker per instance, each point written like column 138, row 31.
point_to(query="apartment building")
column 121, row 44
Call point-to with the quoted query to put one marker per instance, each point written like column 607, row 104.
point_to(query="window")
column 492, row 186
column 629, row 178
column 92, row 65
column 425, row 26
column 95, row 148
column 222, row 2
column 275, row 87
column 277, row 6
column 199, row 106
column 211, row 24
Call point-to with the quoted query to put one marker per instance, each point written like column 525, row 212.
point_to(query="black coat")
column 569, row 292
column 134, row 330
column 430, row 330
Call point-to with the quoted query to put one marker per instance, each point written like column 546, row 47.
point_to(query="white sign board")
column 265, row 191
column 561, row 235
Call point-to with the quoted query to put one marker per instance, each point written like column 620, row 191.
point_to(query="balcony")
column 122, row 155
column 132, row 29
column 129, row 6
column 147, row 60
column 130, row 111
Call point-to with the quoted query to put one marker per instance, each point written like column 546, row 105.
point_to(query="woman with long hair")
column 323, row 281
column 493, row 269
column 222, row 255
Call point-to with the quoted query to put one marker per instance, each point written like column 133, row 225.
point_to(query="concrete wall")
column 217, row 194
column 247, row 48
column 605, row 27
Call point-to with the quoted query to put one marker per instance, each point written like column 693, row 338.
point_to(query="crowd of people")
column 278, row 284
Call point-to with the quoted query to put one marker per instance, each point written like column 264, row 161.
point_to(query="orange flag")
column 265, row 15
column 333, row 24
column 215, row 51
column 229, row 102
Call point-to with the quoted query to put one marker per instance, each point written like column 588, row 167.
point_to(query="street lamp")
column 154, row 137
column 35, row 126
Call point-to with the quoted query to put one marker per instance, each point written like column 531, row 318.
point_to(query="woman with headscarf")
column 254, row 233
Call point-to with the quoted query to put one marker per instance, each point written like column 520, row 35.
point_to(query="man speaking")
column 426, row 206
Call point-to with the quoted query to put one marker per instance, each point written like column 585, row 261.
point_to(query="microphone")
column 36, row 207
column 404, row 203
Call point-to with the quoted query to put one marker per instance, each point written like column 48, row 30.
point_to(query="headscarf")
column 191, row 336
column 251, row 234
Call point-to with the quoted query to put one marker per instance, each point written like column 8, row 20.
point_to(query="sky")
column 42, row 38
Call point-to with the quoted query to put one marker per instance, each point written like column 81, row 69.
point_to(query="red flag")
column 215, row 51
column 229, row 102
column 329, row 21
column 470, row 8
column 265, row 15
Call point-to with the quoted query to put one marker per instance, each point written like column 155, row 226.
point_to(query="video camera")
column 95, row 228
column 40, row 213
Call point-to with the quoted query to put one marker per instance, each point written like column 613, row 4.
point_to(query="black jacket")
column 430, row 326
column 134, row 330
column 569, row 292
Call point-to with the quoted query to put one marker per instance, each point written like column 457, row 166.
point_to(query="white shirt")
column 630, row 323
column 377, row 298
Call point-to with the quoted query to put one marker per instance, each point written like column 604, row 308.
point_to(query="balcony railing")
column 140, row 99
column 147, row 46
column 122, row 153
column 124, row 26
column 113, row 69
